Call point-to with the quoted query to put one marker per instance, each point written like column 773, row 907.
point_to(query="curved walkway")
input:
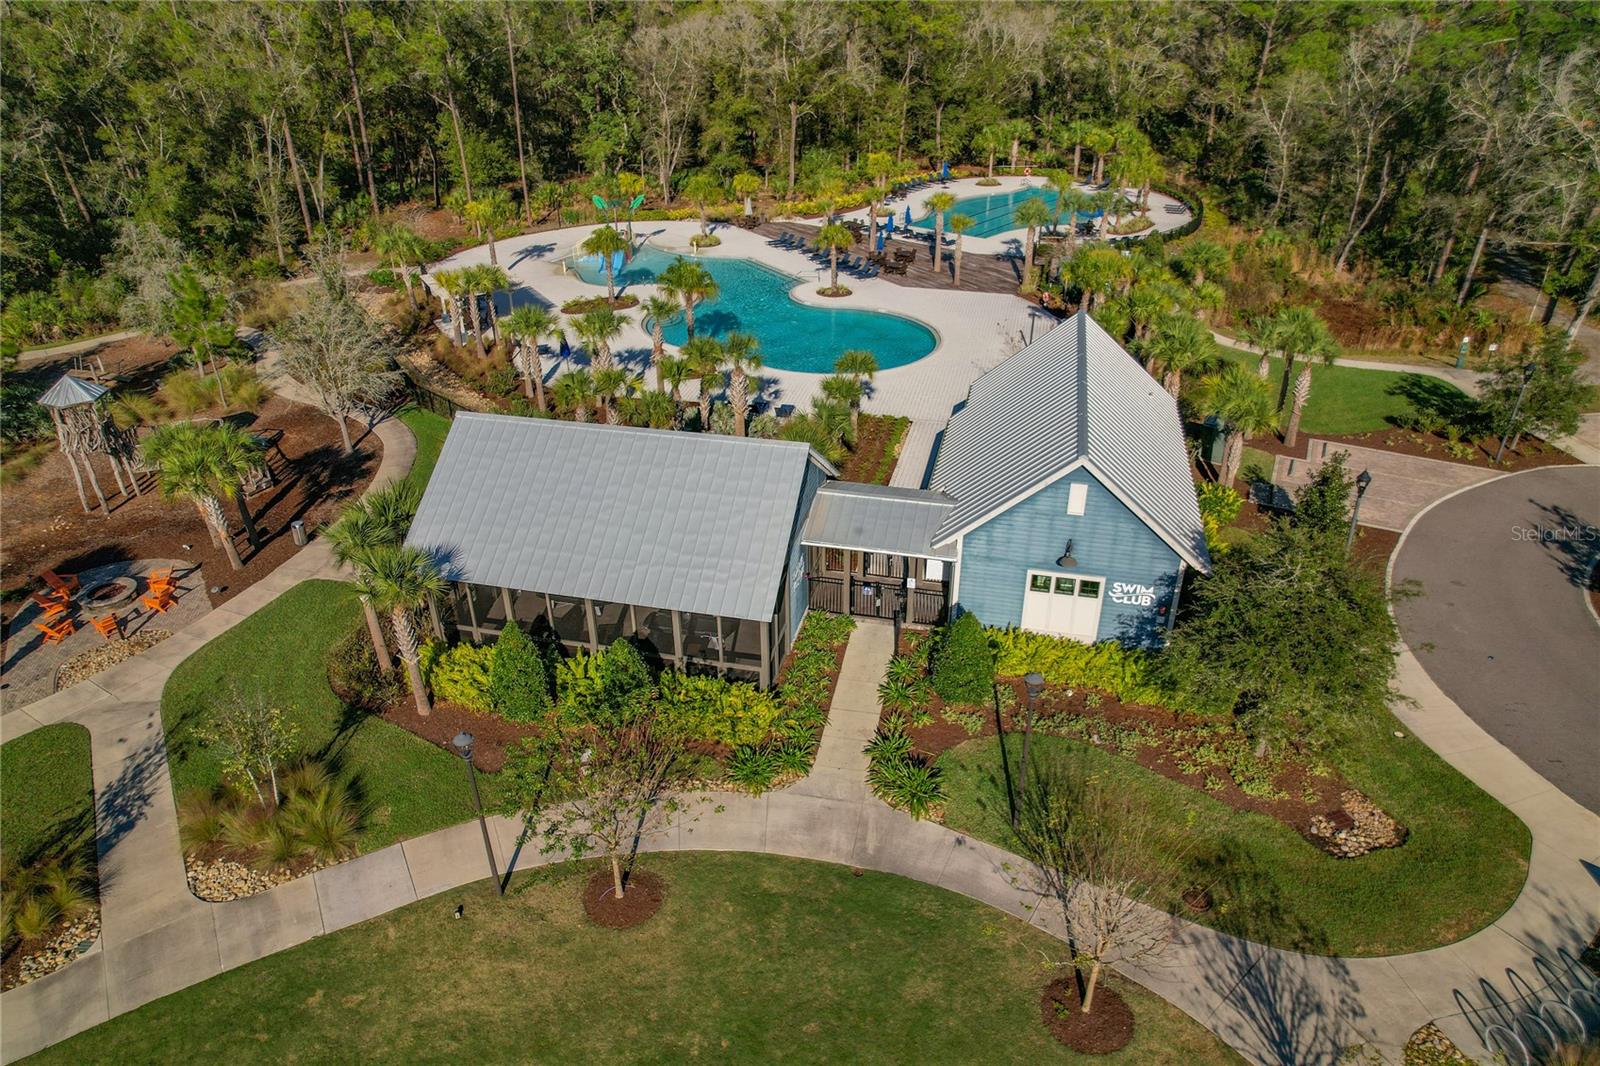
column 1503, row 615
column 1274, row 1006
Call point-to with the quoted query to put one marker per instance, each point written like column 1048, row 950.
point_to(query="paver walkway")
column 1274, row 1006
column 917, row 450
column 1403, row 486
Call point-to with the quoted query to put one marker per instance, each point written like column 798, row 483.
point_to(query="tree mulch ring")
column 1108, row 1027
column 643, row 893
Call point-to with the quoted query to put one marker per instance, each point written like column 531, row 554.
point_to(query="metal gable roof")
column 676, row 521
column 877, row 518
column 69, row 391
column 1072, row 396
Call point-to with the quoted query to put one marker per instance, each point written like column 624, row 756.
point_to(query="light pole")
column 463, row 745
column 1516, row 409
column 1034, row 683
column 1363, row 479
column 1461, row 352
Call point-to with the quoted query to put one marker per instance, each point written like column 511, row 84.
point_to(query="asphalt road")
column 1502, row 623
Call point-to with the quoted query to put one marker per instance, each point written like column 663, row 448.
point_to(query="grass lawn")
column 411, row 786
column 1463, row 865
column 1350, row 400
column 751, row 959
column 429, row 429
column 46, row 794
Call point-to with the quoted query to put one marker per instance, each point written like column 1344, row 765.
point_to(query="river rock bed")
column 1357, row 828
column 86, row 664
column 74, row 940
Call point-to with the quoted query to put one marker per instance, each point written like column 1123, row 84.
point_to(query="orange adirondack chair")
column 50, row 604
column 159, row 601
column 55, row 634
column 108, row 626
column 67, row 585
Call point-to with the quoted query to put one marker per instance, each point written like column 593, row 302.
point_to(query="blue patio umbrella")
column 908, row 216
column 881, row 234
column 944, row 171
column 888, row 223
column 617, row 262
column 566, row 349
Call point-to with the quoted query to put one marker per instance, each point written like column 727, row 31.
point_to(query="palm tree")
column 491, row 280
column 1100, row 141
column 1244, row 404
column 574, row 393
column 527, row 325
column 704, row 358
column 609, row 384
column 834, row 238
column 939, row 203
column 470, row 282
column 454, row 284
column 879, row 167
column 489, row 212
column 959, row 224
column 1095, row 270
column 1179, row 343
column 741, row 353
column 843, row 390
column 1031, row 213
column 1201, row 257
column 689, row 283
column 629, row 186
column 673, row 373
column 745, row 186
column 1137, row 166
column 1301, row 331
column 991, row 141
column 858, row 363
column 205, row 464
column 1077, row 131
column 703, row 188
column 659, row 309
column 606, row 242
column 597, row 329
column 401, row 580
column 376, row 521
column 400, row 248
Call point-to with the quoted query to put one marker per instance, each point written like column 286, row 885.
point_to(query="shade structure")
column 908, row 217
column 888, row 223
column 944, row 171
column 71, row 391
column 881, row 234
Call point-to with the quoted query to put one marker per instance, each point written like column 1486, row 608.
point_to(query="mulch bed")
column 1301, row 795
column 1106, row 1028
column 44, row 526
column 643, row 894
column 1531, row 453
column 877, row 451
column 492, row 735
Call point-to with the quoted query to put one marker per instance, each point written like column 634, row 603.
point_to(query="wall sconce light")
column 1066, row 557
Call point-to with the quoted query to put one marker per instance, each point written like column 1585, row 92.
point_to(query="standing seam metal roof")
column 657, row 518
column 878, row 518
column 70, row 391
column 1071, row 396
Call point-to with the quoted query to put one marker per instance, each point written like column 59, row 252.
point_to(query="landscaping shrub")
column 185, row 393
column 317, row 818
column 753, row 767
column 963, row 662
column 1219, row 506
column 602, row 689
column 1126, row 673
column 519, row 689
column 460, row 674
column 713, row 708
column 898, row 777
column 354, row 676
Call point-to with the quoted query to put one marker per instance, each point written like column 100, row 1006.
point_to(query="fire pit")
column 113, row 593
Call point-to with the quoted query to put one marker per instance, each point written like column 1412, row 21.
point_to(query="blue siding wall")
column 1108, row 540
column 799, row 587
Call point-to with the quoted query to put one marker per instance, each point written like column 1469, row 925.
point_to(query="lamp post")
column 1461, row 352
column 463, row 745
column 1034, row 683
column 1516, row 409
column 1363, row 479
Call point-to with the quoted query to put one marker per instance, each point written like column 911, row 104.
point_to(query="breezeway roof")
column 877, row 518
column 1071, row 398
column 657, row 518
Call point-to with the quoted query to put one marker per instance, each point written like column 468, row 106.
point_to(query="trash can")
column 298, row 528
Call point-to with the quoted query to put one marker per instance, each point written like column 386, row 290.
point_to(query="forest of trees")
column 1415, row 138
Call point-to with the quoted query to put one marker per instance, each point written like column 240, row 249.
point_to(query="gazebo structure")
column 83, row 430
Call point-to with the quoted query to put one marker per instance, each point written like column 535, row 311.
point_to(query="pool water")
column 994, row 213
column 754, row 299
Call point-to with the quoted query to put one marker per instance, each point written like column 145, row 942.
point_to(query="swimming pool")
column 755, row 299
column 994, row 212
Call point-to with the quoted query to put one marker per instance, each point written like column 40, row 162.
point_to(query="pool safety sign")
column 1132, row 594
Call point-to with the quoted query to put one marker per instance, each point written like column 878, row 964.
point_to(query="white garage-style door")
column 1065, row 605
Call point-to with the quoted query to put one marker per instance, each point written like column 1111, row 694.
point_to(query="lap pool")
column 994, row 212
column 755, row 299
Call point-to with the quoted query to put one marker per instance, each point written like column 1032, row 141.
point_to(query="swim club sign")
column 1132, row 594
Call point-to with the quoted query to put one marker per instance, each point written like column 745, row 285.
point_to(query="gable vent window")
column 1077, row 498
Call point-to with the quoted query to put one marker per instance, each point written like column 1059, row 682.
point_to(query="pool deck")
column 1167, row 213
column 976, row 330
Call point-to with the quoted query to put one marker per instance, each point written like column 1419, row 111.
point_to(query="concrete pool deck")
column 975, row 330
column 1166, row 212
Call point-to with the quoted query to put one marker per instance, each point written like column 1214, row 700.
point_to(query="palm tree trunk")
column 406, row 641
column 1172, row 381
column 739, row 399
column 219, row 523
column 380, row 647
column 1232, row 457
column 537, row 366
column 705, row 405
column 611, row 279
column 688, row 317
column 658, row 352
column 833, row 263
column 477, row 325
column 958, row 262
